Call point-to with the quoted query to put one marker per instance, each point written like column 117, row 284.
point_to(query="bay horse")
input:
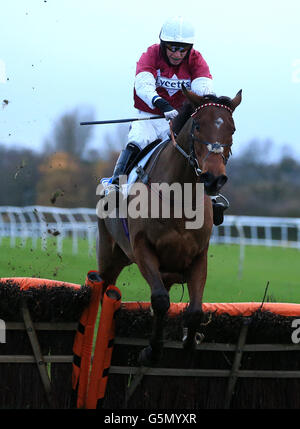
column 165, row 251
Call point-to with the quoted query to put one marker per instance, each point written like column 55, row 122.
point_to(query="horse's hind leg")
column 148, row 264
column 194, row 314
column 111, row 259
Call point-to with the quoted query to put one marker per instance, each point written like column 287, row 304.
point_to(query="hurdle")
column 77, row 346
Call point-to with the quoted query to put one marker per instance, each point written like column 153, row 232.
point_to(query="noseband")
column 216, row 147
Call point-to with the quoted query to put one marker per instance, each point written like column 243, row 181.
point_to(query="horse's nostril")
column 222, row 180
column 206, row 178
column 213, row 184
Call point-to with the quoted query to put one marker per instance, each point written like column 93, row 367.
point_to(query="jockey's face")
column 176, row 57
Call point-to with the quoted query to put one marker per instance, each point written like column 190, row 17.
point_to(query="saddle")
column 132, row 174
column 141, row 155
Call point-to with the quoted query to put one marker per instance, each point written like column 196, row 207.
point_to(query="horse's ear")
column 236, row 100
column 191, row 96
column 184, row 90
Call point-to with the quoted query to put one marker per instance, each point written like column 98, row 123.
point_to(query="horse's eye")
column 197, row 127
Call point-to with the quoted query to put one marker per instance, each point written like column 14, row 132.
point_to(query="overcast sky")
column 58, row 55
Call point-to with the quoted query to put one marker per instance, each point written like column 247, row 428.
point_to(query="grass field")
column 280, row 267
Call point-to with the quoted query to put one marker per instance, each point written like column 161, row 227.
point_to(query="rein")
column 192, row 160
column 216, row 147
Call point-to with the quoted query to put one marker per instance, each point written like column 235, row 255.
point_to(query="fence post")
column 37, row 353
column 236, row 363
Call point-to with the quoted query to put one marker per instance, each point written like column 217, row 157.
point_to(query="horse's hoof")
column 189, row 342
column 145, row 356
column 199, row 338
column 160, row 303
column 148, row 358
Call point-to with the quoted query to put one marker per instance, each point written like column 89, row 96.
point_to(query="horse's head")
column 211, row 136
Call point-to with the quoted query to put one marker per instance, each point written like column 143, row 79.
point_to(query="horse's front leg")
column 148, row 264
column 193, row 316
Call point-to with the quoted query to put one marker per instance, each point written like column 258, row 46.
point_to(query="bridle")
column 216, row 148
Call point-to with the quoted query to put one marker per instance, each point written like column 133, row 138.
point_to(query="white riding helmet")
column 177, row 30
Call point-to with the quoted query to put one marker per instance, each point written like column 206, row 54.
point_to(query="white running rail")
column 41, row 222
column 259, row 231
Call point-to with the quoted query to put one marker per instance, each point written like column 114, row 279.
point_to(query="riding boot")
column 126, row 157
column 220, row 204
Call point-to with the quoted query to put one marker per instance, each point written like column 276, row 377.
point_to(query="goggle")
column 175, row 48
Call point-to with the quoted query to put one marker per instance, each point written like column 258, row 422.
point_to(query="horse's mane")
column 188, row 108
column 184, row 114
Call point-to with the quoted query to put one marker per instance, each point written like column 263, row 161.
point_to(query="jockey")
column 160, row 72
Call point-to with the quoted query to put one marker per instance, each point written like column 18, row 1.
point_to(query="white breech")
column 142, row 133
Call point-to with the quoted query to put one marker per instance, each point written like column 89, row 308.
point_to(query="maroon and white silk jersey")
column 154, row 76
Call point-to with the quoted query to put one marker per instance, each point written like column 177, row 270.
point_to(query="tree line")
column 66, row 172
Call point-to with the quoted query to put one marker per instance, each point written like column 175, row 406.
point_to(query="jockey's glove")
column 164, row 107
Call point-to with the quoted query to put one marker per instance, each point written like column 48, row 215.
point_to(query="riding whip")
column 119, row 121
